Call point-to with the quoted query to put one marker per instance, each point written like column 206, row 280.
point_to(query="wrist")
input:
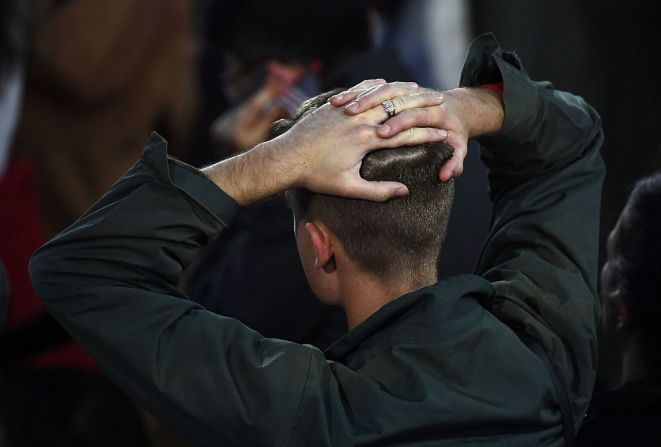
column 481, row 109
column 492, row 110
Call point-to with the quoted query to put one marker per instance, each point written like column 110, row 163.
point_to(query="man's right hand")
column 464, row 113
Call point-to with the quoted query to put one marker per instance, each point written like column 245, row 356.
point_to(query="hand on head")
column 323, row 151
column 414, row 107
column 331, row 145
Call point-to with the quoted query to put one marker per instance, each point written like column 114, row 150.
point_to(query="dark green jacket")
column 439, row 366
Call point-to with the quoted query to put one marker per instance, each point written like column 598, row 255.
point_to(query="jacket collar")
column 448, row 291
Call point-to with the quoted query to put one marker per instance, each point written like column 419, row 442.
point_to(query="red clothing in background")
column 20, row 235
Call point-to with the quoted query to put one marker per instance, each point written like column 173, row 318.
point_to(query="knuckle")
column 408, row 133
column 386, row 89
column 363, row 84
column 380, row 195
column 418, row 99
column 400, row 103
column 430, row 97
column 364, row 132
column 407, row 86
column 369, row 90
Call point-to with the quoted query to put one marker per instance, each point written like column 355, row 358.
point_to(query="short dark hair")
column 636, row 262
column 399, row 237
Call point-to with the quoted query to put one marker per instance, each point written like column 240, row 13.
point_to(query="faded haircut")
column 399, row 238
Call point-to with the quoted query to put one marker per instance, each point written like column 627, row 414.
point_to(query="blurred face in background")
column 262, row 93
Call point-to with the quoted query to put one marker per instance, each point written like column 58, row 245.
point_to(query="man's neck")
column 364, row 294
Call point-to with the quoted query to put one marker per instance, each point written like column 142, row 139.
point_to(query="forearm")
column 259, row 173
column 482, row 110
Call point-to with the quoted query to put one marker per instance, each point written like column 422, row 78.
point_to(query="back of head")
column 397, row 239
column 636, row 261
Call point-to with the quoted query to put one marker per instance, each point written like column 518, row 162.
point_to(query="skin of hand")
column 250, row 122
column 323, row 152
column 464, row 113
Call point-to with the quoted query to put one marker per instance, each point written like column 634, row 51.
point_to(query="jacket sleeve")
column 111, row 281
column 545, row 177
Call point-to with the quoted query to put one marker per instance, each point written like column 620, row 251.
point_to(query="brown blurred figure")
column 98, row 77
column 102, row 75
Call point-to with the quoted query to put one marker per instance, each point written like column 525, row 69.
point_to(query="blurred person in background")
column 629, row 415
column 97, row 76
column 592, row 46
column 82, row 116
column 83, row 111
column 101, row 74
column 276, row 55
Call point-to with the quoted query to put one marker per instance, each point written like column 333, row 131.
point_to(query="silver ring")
column 389, row 107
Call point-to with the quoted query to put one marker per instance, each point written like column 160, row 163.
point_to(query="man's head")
column 631, row 279
column 397, row 241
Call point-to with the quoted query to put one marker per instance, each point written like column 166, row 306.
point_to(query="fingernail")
column 338, row 97
column 401, row 192
column 353, row 106
column 384, row 128
column 439, row 98
column 443, row 134
column 444, row 176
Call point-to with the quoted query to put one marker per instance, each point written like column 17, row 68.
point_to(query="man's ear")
column 322, row 244
column 624, row 317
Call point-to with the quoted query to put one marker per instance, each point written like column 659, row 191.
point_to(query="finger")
column 350, row 95
column 397, row 87
column 368, row 83
column 427, row 101
column 427, row 98
column 375, row 191
column 376, row 96
column 414, row 136
column 414, row 117
column 346, row 96
column 261, row 104
column 273, row 115
column 455, row 166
